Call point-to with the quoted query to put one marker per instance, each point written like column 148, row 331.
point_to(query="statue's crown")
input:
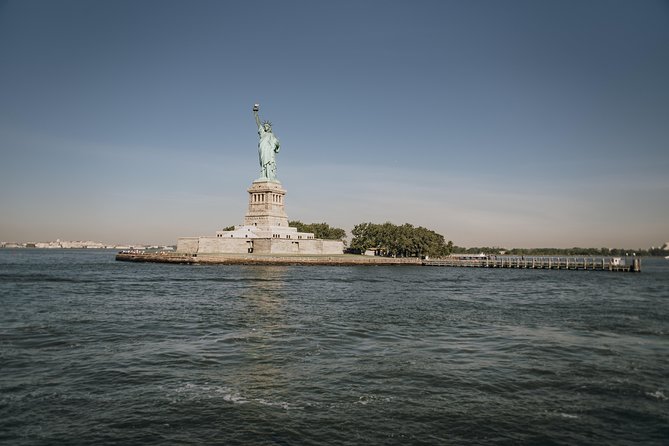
column 267, row 122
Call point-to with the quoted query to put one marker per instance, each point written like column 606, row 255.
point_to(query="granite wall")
column 229, row 245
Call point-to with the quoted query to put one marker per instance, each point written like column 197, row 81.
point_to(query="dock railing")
column 540, row 262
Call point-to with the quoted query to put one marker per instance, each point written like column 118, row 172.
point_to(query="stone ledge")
column 260, row 259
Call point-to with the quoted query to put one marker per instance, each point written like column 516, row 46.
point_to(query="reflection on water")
column 261, row 316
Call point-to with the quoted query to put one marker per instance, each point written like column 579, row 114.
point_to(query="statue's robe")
column 267, row 147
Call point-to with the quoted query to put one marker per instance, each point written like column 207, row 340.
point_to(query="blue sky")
column 514, row 123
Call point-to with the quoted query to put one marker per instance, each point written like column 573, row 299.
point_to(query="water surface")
column 94, row 351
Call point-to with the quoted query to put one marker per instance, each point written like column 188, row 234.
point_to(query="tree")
column 320, row 230
column 398, row 241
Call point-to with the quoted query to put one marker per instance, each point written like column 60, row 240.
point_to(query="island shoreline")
column 265, row 259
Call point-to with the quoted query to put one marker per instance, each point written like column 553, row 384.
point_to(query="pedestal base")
column 266, row 205
column 265, row 230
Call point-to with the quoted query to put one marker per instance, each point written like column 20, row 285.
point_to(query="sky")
column 495, row 123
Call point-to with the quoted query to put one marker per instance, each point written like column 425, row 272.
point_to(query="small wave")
column 281, row 404
column 367, row 399
column 658, row 395
column 199, row 392
column 195, row 391
column 570, row 416
column 234, row 398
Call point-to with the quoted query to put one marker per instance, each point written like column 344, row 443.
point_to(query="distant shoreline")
column 82, row 245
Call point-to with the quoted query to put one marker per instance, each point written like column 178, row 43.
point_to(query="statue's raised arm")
column 268, row 145
column 256, row 107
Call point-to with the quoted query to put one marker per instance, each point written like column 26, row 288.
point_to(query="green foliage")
column 399, row 241
column 477, row 250
column 661, row 251
column 229, row 228
column 320, row 230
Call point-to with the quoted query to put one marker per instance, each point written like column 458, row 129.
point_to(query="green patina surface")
column 268, row 147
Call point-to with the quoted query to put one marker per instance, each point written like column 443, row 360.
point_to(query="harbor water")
column 94, row 351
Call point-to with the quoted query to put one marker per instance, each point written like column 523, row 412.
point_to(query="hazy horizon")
column 513, row 124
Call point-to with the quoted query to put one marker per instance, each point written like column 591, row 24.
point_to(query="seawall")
column 260, row 259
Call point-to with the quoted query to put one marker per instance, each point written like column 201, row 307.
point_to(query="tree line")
column 404, row 240
column 320, row 230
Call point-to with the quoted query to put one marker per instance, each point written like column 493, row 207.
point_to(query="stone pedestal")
column 266, row 205
column 265, row 230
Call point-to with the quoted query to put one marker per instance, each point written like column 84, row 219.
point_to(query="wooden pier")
column 518, row 262
column 534, row 262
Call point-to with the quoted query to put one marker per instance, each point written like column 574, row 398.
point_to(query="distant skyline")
column 511, row 124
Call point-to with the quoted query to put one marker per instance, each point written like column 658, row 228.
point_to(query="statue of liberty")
column 268, row 145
